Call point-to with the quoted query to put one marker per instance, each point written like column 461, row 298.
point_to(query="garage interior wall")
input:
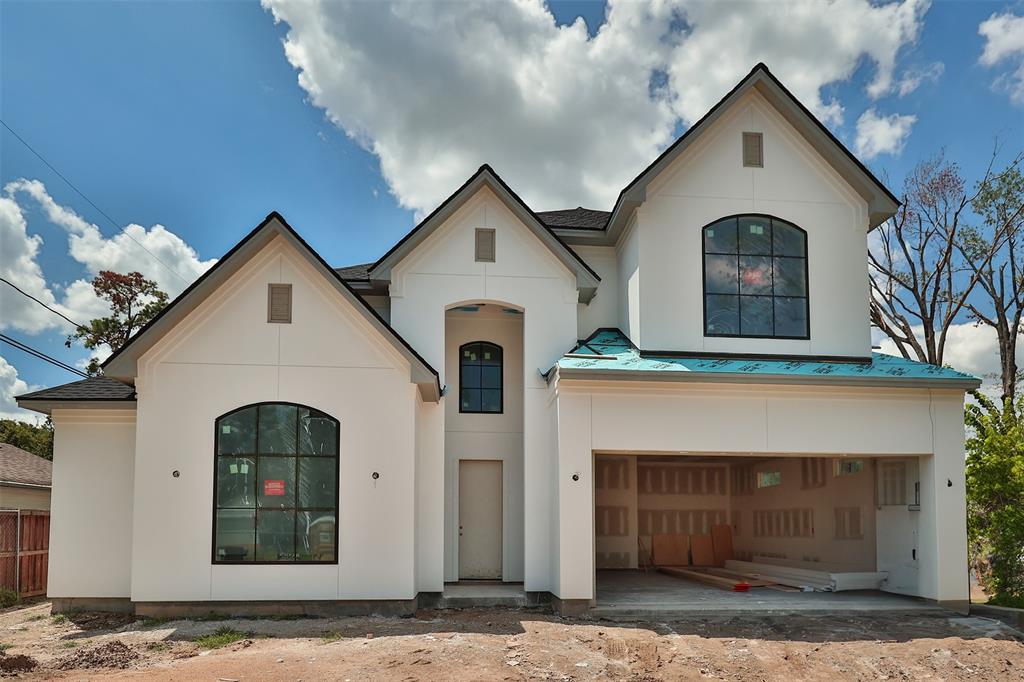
column 818, row 512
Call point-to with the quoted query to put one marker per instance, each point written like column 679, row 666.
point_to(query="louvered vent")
column 753, row 150
column 484, row 246
column 279, row 303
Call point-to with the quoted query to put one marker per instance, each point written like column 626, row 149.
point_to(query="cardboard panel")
column 671, row 550
column 703, row 550
column 721, row 539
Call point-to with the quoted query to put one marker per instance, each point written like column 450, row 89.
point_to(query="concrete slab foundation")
column 638, row 595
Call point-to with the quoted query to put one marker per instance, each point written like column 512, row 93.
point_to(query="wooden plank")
column 703, row 550
column 707, row 578
column 736, row 577
column 670, row 550
column 721, row 540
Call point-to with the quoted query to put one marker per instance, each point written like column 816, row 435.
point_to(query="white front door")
column 479, row 519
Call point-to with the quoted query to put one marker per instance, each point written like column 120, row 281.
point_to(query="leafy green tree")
column 995, row 497
column 34, row 438
column 134, row 301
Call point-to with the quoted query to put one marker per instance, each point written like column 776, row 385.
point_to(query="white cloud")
column 882, row 134
column 157, row 253
column 914, row 78
column 10, row 386
column 1004, row 42
column 435, row 90
column 86, row 244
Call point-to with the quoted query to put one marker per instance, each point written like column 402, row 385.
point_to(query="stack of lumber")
column 808, row 579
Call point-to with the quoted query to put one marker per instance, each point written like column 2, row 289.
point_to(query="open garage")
column 684, row 528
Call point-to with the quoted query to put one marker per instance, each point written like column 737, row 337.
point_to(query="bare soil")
column 510, row 645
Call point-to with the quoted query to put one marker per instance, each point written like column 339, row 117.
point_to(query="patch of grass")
column 8, row 598
column 68, row 645
column 38, row 616
column 58, row 619
column 4, row 646
column 154, row 622
column 221, row 637
column 158, row 646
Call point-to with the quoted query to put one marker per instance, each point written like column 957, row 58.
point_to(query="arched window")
column 755, row 278
column 480, row 365
column 275, row 486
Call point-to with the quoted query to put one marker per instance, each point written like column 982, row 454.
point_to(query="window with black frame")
column 755, row 278
column 276, row 485
column 480, row 367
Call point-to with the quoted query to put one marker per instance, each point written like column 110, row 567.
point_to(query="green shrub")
column 8, row 598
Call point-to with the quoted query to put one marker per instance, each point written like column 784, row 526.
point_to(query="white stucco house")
column 524, row 397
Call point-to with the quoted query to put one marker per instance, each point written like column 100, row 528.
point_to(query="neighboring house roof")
column 586, row 279
column 609, row 355
column 578, row 218
column 20, row 467
column 122, row 364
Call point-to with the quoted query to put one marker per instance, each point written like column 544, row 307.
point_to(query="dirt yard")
column 506, row 645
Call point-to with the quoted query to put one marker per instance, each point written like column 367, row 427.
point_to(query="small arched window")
column 480, row 369
column 275, row 486
column 755, row 278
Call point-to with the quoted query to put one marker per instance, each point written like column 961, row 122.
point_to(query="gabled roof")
column 22, row 468
column 881, row 202
column 123, row 363
column 609, row 355
column 586, row 279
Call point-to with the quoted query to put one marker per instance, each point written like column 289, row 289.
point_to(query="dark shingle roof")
column 578, row 218
column 93, row 388
column 19, row 466
column 354, row 272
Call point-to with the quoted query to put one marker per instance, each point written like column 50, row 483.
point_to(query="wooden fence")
column 24, row 551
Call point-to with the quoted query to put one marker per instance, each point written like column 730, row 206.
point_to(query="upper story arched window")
column 480, row 369
column 275, row 485
column 755, row 278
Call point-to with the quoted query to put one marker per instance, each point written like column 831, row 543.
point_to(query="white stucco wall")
column 91, row 503
column 441, row 274
column 708, row 182
column 225, row 355
column 603, row 309
column 783, row 421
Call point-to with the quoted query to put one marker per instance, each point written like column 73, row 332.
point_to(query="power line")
column 25, row 293
column 41, row 355
column 113, row 222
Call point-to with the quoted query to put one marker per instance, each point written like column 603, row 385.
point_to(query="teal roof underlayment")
column 608, row 352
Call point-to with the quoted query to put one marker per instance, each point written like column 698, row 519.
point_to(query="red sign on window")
column 273, row 488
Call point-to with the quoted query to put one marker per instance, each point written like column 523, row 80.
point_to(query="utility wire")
column 25, row 293
column 41, row 355
column 113, row 222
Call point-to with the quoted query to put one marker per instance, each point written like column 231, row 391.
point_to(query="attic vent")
column 753, row 150
column 279, row 303
column 484, row 246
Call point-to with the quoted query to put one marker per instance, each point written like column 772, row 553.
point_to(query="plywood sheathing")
column 671, row 550
column 703, row 550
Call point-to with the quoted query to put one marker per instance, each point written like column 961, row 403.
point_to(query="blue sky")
column 190, row 115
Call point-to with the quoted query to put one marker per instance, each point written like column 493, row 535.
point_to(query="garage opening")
column 709, row 529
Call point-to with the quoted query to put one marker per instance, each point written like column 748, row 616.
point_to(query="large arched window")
column 275, row 486
column 480, row 366
column 755, row 278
